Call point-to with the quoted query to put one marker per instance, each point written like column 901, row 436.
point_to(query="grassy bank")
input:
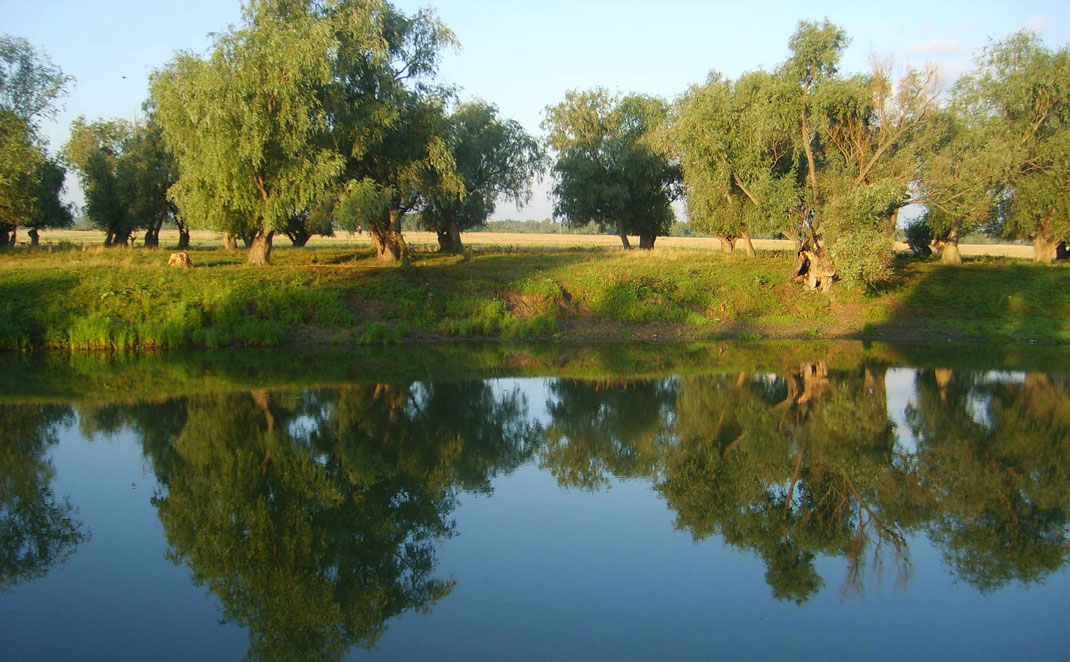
column 129, row 299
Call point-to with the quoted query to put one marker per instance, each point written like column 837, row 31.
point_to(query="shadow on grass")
column 986, row 298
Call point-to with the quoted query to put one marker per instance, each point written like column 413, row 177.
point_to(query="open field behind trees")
column 129, row 299
column 520, row 240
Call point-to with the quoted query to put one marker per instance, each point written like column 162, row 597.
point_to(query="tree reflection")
column 313, row 516
column 604, row 428
column 791, row 467
column 37, row 529
column 995, row 450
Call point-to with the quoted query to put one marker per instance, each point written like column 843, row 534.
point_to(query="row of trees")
column 335, row 499
column 829, row 160
column 311, row 116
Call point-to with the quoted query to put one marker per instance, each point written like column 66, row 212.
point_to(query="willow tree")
column 735, row 142
column 246, row 123
column 495, row 158
column 389, row 123
column 860, row 137
column 411, row 163
column 95, row 150
column 30, row 89
column 608, row 169
column 19, row 161
column 1022, row 89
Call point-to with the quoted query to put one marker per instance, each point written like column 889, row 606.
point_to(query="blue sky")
column 524, row 56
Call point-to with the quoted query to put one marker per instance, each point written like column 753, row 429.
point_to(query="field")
column 208, row 239
column 74, row 295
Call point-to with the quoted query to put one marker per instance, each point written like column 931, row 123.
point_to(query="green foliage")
column 20, row 163
column 98, row 151
column 1021, row 92
column 494, row 158
column 30, row 84
column 608, row 169
column 735, row 143
column 246, row 124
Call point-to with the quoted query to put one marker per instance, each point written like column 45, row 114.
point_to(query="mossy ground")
column 125, row 299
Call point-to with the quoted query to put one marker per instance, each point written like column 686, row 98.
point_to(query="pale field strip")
column 520, row 240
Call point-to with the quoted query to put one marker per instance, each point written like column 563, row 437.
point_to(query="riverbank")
column 74, row 299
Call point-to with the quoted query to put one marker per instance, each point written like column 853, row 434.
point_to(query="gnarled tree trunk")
column 449, row 239
column 299, row 236
column 623, row 237
column 7, row 235
column 1062, row 251
column 389, row 243
column 230, row 242
column 183, row 238
column 813, row 270
column 728, row 243
column 748, row 245
column 1044, row 248
column 646, row 241
column 35, row 237
column 949, row 248
column 152, row 235
column 260, row 250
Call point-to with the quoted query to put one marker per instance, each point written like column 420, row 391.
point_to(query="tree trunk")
column 109, row 238
column 623, row 238
column 389, row 242
column 728, row 243
column 455, row 236
column 152, row 235
column 646, row 241
column 183, row 238
column 248, row 238
column 35, row 237
column 449, row 238
column 120, row 239
column 1044, row 248
column 230, row 242
column 7, row 236
column 813, row 270
column 749, row 246
column 1062, row 251
column 949, row 248
column 299, row 237
column 260, row 250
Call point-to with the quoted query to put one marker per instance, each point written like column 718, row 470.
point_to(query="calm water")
column 850, row 504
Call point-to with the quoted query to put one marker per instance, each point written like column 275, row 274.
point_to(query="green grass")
column 130, row 300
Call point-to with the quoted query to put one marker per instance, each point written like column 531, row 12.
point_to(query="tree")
column 860, row 138
column 19, row 163
column 494, row 158
column 95, row 150
column 958, row 179
column 736, row 146
column 48, row 211
column 146, row 173
column 608, row 170
column 30, row 87
column 410, row 164
column 1022, row 89
column 246, row 125
column 390, row 125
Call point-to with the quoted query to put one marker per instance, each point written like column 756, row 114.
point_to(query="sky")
column 524, row 56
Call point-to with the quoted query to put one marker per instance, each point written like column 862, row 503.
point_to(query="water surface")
column 828, row 501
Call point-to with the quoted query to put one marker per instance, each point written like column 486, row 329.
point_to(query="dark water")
column 851, row 504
